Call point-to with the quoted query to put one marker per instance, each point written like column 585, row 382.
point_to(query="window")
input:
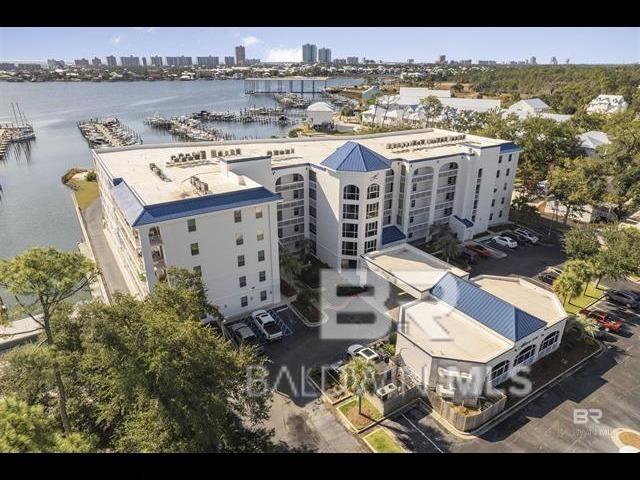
column 312, row 176
column 243, row 281
column 312, row 228
column 499, row 371
column 280, row 233
column 371, row 229
column 480, row 173
column 448, row 211
column 258, row 212
column 449, row 196
column 296, row 228
column 297, row 212
column 509, row 157
column 387, row 204
column 373, row 191
column 490, row 216
column 239, row 239
column 279, row 215
column 349, row 248
column 237, row 216
column 312, row 193
column 312, row 211
column 244, row 301
column 498, row 174
column 241, row 260
column 197, row 269
column 191, row 225
column 263, row 295
column 261, row 255
column 350, row 211
column 195, row 249
column 370, row 245
column 477, row 189
column 549, row 341
column 453, row 166
column 495, row 190
column 504, row 187
column 387, row 220
column 508, row 171
column 260, row 235
column 500, row 159
column 493, row 202
column 350, row 230
column 411, row 219
column 351, row 192
column 348, row 263
column 414, row 187
column 298, row 193
column 502, row 201
column 372, row 210
column 262, row 276
column 451, row 180
column 526, row 356
column 500, row 214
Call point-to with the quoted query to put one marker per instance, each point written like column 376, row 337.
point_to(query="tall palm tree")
column 359, row 377
column 446, row 242
column 567, row 285
column 584, row 326
column 583, row 270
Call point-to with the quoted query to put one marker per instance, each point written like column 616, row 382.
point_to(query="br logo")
column 584, row 415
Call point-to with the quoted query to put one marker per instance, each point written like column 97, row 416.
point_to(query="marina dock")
column 10, row 133
column 185, row 127
column 108, row 132
column 285, row 84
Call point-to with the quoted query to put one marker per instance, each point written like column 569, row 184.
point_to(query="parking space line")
column 421, row 433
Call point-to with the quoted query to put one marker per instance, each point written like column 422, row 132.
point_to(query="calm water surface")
column 35, row 208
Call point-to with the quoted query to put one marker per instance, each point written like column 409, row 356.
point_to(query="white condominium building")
column 223, row 208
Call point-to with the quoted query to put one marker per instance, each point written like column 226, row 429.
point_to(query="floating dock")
column 185, row 127
column 108, row 132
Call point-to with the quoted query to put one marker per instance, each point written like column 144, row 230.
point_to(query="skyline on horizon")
column 582, row 45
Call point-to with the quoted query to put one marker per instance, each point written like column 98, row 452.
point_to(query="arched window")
column 526, row 356
column 279, row 181
column 549, row 341
column 373, row 191
column 351, row 192
column 500, row 372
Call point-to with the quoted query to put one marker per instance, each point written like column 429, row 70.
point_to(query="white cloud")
column 284, row 55
column 249, row 41
column 115, row 39
column 146, row 29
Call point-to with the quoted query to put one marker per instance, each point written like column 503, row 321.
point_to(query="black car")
column 548, row 276
column 622, row 297
column 518, row 238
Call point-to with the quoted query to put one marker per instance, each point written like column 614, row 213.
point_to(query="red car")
column 607, row 320
column 479, row 250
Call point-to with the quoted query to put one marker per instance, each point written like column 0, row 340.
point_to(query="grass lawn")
column 381, row 441
column 86, row 192
column 369, row 413
column 592, row 294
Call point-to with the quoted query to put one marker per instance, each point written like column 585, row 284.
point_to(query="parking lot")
column 284, row 317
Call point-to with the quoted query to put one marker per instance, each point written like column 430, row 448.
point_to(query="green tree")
column 446, row 242
column 620, row 256
column 290, row 265
column 495, row 125
column 583, row 326
column 578, row 182
column 581, row 242
column 432, row 108
column 42, row 280
column 568, row 285
column 27, row 428
column 583, row 270
column 359, row 377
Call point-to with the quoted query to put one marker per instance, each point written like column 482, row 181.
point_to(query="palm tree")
column 446, row 242
column 583, row 270
column 290, row 265
column 567, row 285
column 359, row 377
column 584, row 326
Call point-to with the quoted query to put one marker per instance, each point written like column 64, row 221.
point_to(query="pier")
column 20, row 131
column 108, row 132
column 186, row 127
column 259, row 115
column 299, row 85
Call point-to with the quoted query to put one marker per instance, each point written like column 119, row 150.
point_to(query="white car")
column 357, row 350
column 505, row 241
column 527, row 234
column 267, row 325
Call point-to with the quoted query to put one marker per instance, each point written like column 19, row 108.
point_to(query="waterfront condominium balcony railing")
column 284, row 187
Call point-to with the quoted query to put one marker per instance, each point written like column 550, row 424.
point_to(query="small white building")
column 319, row 114
column 531, row 105
column 607, row 104
column 590, row 141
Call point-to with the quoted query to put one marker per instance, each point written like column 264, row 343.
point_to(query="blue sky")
column 581, row 45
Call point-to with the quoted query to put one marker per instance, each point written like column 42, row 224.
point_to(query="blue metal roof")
column 138, row 214
column 509, row 147
column 391, row 234
column 353, row 157
column 467, row 223
column 491, row 311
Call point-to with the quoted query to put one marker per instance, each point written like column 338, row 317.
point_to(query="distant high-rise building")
column 252, row 61
column 144, row 61
column 111, row 61
column 130, row 61
column 229, row 61
column 340, row 61
column 324, row 55
column 410, row 60
column 487, row 62
column 156, row 61
column 441, row 59
column 180, row 61
column 207, row 61
column 96, row 62
column 81, row 62
column 53, row 64
column 9, row 67
column 533, row 61
column 352, row 60
column 554, row 61
column 567, row 61
column 240, row 55
column 309, row 53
